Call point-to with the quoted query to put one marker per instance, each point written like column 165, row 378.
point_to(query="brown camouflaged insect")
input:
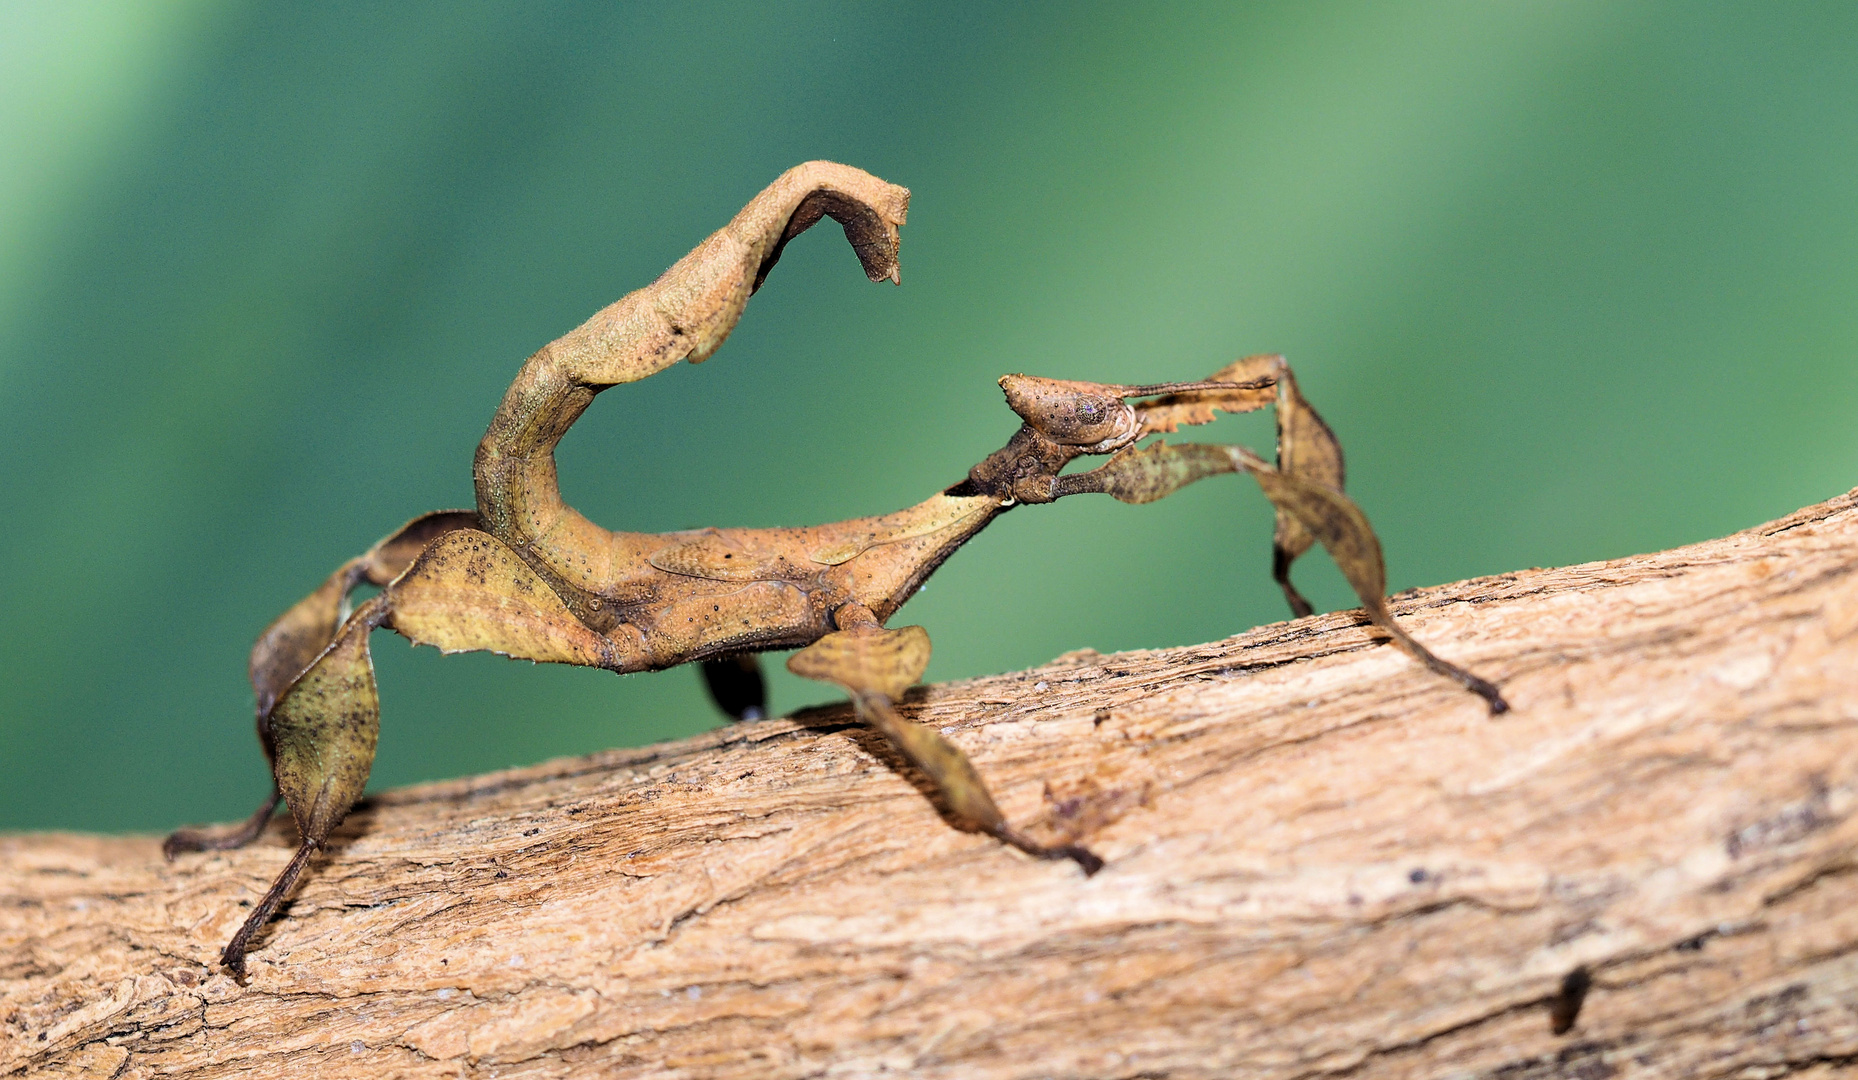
column 526, row 576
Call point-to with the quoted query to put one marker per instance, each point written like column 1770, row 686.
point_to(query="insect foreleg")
column 1305, row 446
column 1320, row 511
column 1328, row 515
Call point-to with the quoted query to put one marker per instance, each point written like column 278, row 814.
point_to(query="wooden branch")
column 1322, row 861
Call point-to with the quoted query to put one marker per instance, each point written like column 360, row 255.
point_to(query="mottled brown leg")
column 199, row 840
column 296, row 638
column 875, row 666
column 1320, row 511
column 233, row 956
column 1333, row 518
column 1281, row 558
column 1306, row 447
column 1308, row 450
column 323, row 730
column 464, row 591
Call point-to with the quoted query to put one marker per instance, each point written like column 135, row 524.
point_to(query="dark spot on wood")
column 1417, row 875
column 503, row 873
column 1779, row 1003
column 531, row 832
column 1792, row 823
column 1565, row 1007
column 1576, row 1061
column 1565, row 932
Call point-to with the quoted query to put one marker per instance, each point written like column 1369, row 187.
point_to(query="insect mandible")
column 526, row 576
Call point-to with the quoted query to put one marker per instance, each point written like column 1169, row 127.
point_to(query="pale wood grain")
column 1322, row 861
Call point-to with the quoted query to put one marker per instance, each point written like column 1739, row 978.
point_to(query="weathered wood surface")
column 1322, row 862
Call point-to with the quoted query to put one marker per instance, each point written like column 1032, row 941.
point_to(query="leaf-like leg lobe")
column 296, row 638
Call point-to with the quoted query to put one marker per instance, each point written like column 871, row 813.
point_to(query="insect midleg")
column 875, row 665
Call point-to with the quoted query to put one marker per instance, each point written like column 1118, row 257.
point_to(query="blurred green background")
column 1571, row 280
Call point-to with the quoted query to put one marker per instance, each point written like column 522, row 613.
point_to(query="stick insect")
column 527, row 576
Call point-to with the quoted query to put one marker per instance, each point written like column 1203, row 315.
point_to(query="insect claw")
column 1086, row 859
column 1490, row 694
column 1083, row 857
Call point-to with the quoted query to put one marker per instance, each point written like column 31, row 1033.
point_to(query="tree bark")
column 1323, row 861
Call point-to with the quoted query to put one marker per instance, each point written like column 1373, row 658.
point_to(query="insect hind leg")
column 290, row 645
column 736, row 686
